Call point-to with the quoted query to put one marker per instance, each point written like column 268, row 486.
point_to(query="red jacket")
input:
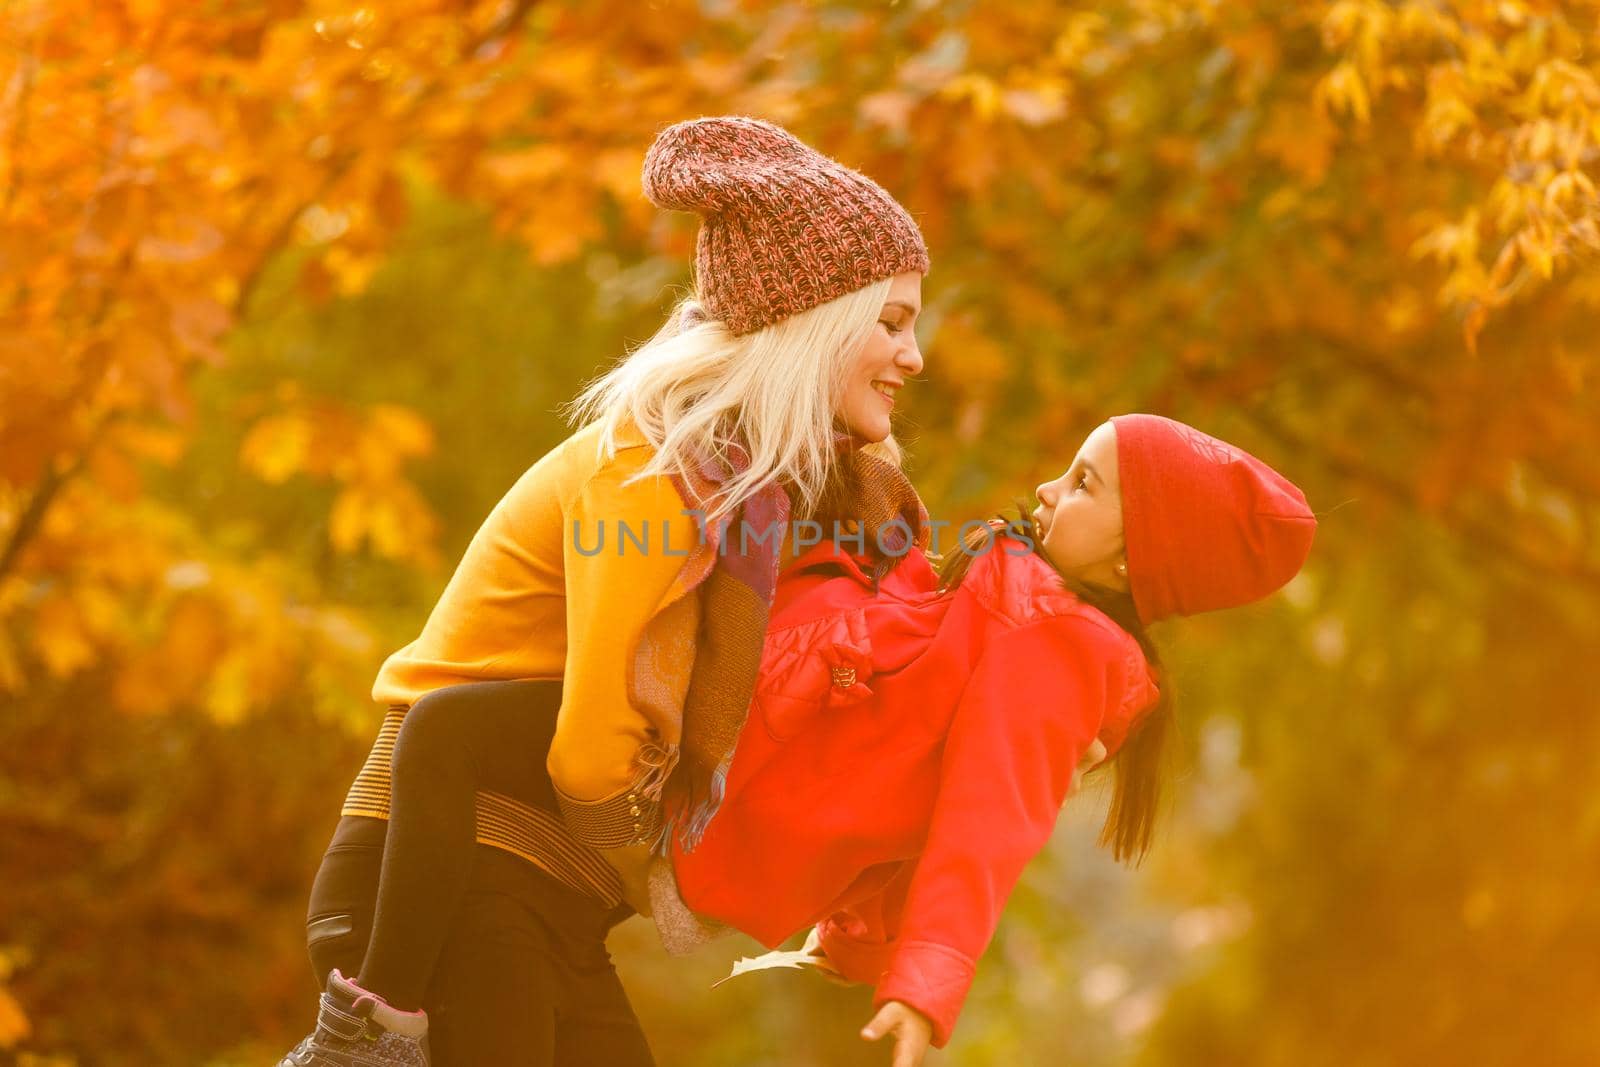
column 905, row 756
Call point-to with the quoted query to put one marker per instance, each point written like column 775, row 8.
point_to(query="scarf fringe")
column 700, row 815
column 659, row 761
column 689, row 819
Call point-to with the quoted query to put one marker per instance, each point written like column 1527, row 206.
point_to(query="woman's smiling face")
column 882, row 365
column 1079, row 517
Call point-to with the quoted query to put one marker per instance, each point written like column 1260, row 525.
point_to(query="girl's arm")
column 1030, row 710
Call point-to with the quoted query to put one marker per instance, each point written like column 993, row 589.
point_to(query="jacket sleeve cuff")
column 856, row 959
column 618, row 821
column 932, row 978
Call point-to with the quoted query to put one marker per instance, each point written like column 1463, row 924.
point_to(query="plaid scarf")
column 699, row 655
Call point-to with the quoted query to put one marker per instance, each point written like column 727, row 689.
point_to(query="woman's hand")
column 912, row 1032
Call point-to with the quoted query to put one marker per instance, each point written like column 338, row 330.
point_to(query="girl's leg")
column 339, row 915
column 452, row 743
column 513, row 963
column 523, row 980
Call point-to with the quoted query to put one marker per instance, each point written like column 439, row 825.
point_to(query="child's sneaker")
column 356, row 1028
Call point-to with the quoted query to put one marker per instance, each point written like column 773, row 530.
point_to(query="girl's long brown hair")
column 1130, row 824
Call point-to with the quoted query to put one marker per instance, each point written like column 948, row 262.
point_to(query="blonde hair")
column 695, row 388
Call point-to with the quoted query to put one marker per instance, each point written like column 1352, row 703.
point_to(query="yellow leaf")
column 1341, row 22
column 388, row 530
column 59, row 638
column 1082, row 33
column 978, row 89
column 402, row 430
column 348, row 523
column 350, row 270
column 276, row 447
column 797, row 959
column 1036, row 107
column 1282, row 201
column 1540, row 139
column 399, row 524
column 14, row 1025
column 1342, row 90
column 536, row 164
column 1447, row 115
column 1574, row 184
column 230, row 692
column 1537, row 253
column 617, row 172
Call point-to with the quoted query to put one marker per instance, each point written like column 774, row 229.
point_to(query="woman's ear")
column 1121, row 571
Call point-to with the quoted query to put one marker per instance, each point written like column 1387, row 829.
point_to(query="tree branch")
column 27, row 69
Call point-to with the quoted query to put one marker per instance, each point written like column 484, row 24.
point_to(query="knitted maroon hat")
column 784, row 228
column 1207, row 525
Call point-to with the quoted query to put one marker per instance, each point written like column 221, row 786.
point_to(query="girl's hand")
column 813, row 947
column 912, row 1032
column 1090, row 759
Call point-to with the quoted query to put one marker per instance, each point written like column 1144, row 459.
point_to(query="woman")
column 768, row 392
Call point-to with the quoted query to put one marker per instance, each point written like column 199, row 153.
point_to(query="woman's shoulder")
column 588, row 448
column 587, row 461
column 581, row 453
column 578, row 475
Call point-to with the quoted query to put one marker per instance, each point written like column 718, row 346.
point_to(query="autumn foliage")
column 289, row 292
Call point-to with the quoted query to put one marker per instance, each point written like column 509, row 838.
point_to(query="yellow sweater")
column 532, row 598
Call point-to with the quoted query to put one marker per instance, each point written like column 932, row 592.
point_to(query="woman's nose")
column 909, row 359
column 1042, row 491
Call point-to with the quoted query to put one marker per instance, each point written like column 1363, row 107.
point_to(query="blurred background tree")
column 289, row 293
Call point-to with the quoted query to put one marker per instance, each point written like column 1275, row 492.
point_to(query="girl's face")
column 1079, row 517
column 882, row 365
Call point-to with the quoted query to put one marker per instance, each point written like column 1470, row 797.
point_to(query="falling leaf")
column 797, row 959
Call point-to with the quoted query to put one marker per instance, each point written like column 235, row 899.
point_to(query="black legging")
column 510, row 964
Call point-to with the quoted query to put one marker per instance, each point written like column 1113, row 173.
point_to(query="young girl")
column 913, row 735
column 771, row 391
column 909, row 748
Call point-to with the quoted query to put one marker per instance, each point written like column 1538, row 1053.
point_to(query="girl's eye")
column 1082, row 482
column 892, row 327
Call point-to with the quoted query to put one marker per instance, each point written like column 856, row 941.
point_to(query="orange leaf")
column 14, row 1025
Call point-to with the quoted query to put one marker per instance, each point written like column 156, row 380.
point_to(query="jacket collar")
column 913, row 570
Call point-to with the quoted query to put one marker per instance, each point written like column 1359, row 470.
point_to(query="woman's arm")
column 610, row 596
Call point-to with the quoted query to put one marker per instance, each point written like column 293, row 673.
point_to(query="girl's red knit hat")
column 1207, row 525
column 783, row 228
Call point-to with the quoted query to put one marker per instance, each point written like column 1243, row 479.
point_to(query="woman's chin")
column 870, row 431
